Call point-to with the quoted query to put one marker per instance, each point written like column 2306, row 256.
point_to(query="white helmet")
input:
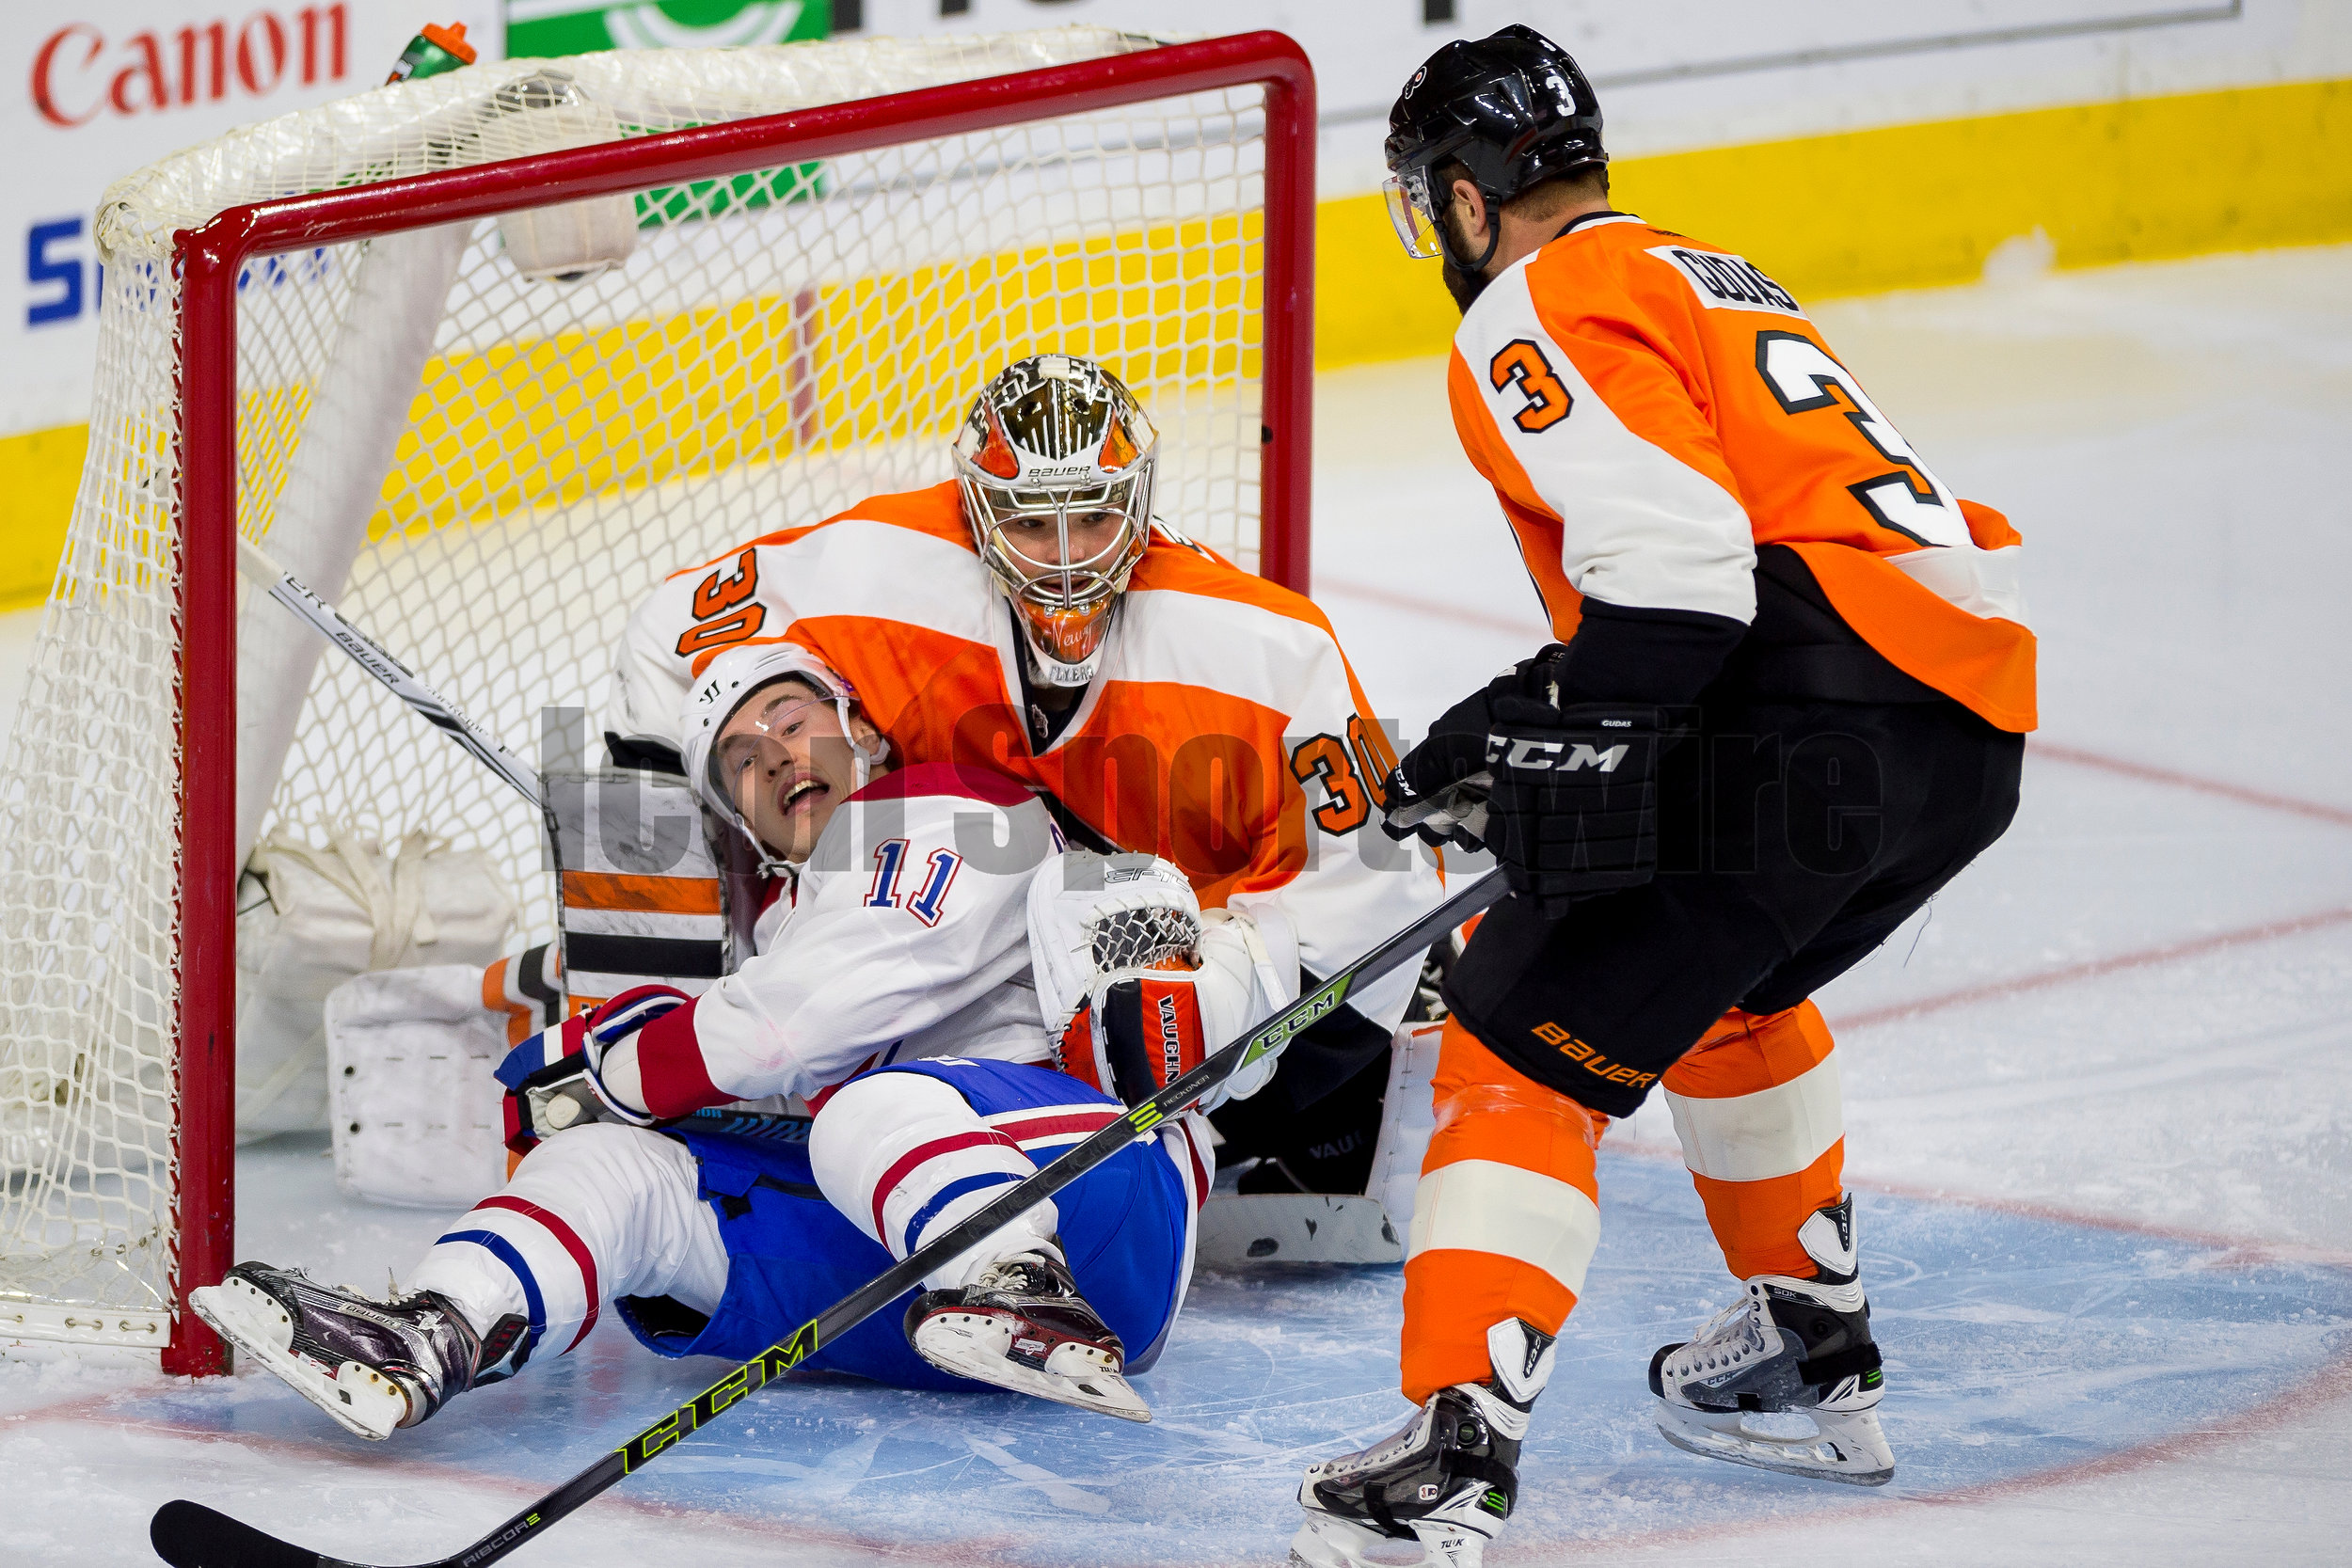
column 725, row 683
column 1050, row 435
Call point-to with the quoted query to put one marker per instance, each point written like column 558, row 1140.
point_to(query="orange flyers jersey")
column 1224, row 730
column 1650, row 409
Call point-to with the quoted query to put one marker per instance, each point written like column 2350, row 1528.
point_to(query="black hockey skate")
column 373, row 1365
column 1793, row 1348
column 1448, row 1481
column 1022, row 1326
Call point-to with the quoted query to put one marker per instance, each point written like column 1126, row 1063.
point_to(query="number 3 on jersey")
column 890, row 858
column 1548, row 401
column 1910, row 501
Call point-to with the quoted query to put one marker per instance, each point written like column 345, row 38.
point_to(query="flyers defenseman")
column 1031, row 616
column 910, row 1007
column 1730, row 539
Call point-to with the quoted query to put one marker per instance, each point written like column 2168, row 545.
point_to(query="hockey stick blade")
column 236, row 1545
column 189, row 1535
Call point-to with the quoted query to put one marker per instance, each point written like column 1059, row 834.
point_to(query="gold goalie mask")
column 1054, row 464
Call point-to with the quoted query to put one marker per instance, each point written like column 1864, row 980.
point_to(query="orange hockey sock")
column 1504, row 1220
column 1756, row 1105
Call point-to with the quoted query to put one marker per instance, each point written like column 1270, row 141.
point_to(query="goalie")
column 1033, row 617
column 893, row 986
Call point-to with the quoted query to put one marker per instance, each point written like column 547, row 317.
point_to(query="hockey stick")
column 398, row 678
column 768, row 1126
column 402, row 682
column 189, row 1535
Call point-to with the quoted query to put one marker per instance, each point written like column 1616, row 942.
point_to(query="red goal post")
column 211, row 258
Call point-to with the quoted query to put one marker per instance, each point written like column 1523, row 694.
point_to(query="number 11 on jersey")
column 931, row 899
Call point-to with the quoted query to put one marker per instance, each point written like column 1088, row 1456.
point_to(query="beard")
column 1464, row 286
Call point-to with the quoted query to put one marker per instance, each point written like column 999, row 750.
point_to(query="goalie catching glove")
column 1139, row 985
column 556, row 1078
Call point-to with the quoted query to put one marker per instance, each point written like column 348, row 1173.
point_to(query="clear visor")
column 1413, row 214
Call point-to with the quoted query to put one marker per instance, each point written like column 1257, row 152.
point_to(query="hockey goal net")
column 778, row 274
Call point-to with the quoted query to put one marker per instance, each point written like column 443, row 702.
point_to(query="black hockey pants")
column 1795, row 835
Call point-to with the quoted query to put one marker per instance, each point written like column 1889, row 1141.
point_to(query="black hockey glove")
column 1439, row 790
column 1574, row 802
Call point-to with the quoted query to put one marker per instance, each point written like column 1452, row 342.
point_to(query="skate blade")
column 976, row 1345
column 360, row 1399
column 1328, row 1542
column 1847, row 1449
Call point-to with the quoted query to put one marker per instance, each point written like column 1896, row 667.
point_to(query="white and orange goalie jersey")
column 1224, row 732
column 1651, row 409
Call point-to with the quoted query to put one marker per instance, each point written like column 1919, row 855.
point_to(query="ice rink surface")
column 2098, row 1119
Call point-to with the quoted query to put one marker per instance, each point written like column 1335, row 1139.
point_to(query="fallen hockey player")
column 903, row 912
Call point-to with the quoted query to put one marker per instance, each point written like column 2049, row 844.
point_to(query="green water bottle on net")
column 431, row 51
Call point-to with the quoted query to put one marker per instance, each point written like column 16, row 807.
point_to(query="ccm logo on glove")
column 1519, row 751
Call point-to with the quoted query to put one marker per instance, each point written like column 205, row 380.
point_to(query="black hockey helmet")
column 1512, row 107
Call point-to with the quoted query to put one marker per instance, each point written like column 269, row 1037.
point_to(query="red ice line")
column 2091, row 969
column 2339, row 816
column 2050, row 750
column 2231, row 1252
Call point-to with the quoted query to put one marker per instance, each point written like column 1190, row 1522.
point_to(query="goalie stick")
column 189, row 1535
column 398, row 678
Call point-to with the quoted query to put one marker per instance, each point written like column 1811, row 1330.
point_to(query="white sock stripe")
column 920, row 1185
column 1082, row 1107
column 1485, row 1206
column 1775, row 1131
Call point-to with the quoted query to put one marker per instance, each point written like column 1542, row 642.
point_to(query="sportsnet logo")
column 1728, row 282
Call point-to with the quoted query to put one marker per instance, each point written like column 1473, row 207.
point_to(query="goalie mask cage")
column 316, row 332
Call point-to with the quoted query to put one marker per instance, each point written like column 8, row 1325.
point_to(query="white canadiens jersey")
column 1224, row 732
column 905, row 936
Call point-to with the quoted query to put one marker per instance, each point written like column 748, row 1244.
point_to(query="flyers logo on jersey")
column 1728, row 282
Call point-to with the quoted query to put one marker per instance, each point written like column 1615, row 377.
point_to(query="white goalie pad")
column 1407, row 1121
column 1238, row 1230
column 411, row 1054
column 311, row 918
column 642, row 900
column 1244, row 1228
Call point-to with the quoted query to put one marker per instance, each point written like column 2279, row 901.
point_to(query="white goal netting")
column 486, row 473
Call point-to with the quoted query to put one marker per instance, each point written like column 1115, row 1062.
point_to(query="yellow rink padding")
column 1907, row 206
column 553, row 422
column 1896, row 207
column 38, row 475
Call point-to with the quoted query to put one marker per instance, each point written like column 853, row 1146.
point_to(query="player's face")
column 1036, row 542
column 789, row 765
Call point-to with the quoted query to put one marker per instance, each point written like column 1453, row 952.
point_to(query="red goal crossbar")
column 209, row 260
